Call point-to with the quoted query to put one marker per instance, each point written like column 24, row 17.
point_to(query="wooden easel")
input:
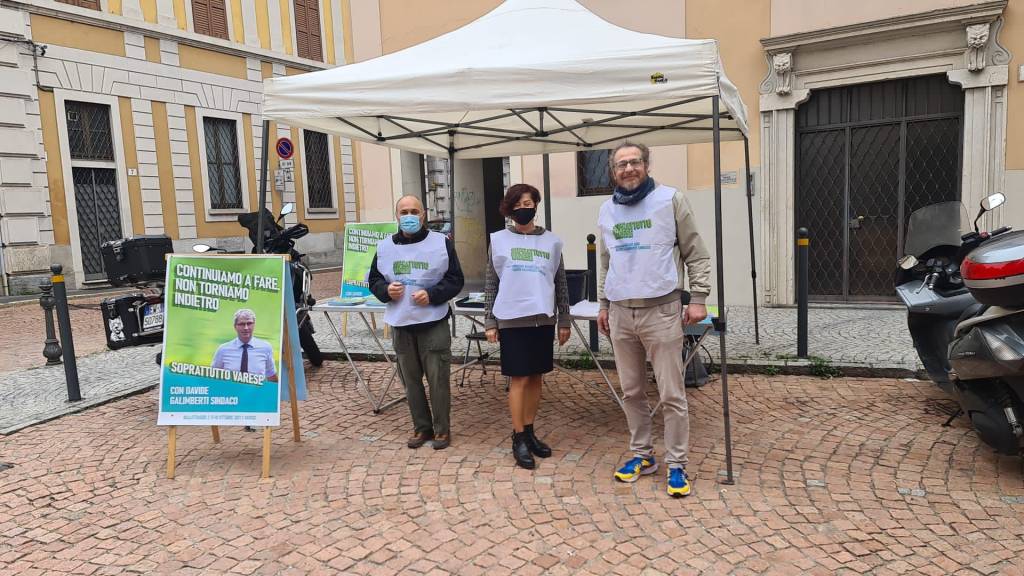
column 286, row 358
column 215, row 430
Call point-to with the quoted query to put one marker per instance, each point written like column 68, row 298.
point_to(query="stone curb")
column 77, row 407
column 793, row 367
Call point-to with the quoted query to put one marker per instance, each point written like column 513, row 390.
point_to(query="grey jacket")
column 561, row 303
column 693, row 261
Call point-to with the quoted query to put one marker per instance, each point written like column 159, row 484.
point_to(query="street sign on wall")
column 285, row 148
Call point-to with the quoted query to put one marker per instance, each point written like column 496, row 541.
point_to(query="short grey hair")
column 245, row 313
column 414, row 197
column 645, row 152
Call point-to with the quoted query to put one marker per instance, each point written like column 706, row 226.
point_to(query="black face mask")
column 523, row 216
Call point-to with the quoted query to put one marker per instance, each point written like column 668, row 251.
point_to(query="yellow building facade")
column 139, row 117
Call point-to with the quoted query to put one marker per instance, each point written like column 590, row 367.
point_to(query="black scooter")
column 965, row 310
column 280, row 240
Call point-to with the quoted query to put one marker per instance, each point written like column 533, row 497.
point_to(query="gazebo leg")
column 723, row 316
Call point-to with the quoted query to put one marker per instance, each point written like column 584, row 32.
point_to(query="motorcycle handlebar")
column 999, row 231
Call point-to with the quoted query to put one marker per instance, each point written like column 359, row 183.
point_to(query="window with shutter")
column 93, row 4
column 222, row 168
column 210, row 17
column 308, row 42
column 318, row 171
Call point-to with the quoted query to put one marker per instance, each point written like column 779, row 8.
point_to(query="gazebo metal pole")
column 451, row 197
column 723, row 317
column 451, row 179
column 264, row 163
column 750, row 218
column 547, row 192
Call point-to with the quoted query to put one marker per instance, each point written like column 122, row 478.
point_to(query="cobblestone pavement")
column 875, row 337
column 31, row 392
column 23, row 329
column 844, row 337
column 23, row 332
column 841, row 476
column 36, row 395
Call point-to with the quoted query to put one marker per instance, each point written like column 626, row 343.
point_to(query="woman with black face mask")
column 526, row 296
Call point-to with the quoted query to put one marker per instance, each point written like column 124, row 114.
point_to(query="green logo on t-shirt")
column 625, row 229
column 407, row 266
column 528, row 254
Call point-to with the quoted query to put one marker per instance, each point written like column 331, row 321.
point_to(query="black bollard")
column 592, row 286
column 802, row 246
column 60, row 296
column 51, row 347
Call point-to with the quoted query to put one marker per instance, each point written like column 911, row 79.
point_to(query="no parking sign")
column 285, row 148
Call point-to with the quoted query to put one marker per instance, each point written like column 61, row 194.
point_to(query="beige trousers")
column 655, row 331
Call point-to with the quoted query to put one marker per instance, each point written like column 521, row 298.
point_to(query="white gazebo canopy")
column 529, row 77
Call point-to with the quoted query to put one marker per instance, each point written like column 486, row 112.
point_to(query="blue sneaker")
column 636, row 467
column 678, row 485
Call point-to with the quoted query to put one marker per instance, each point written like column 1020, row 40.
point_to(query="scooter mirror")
column 907, row 262
column 287, row 209
column 201, row 248
column 994, row 201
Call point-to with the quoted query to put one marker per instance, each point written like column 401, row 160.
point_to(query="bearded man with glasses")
column 649, row 245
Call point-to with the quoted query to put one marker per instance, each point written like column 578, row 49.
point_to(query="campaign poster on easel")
column 223, row 329
column 361, row 240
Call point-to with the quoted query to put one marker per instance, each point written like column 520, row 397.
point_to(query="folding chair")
column 481, row 356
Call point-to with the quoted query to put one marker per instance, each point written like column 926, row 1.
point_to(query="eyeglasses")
column 622, row 164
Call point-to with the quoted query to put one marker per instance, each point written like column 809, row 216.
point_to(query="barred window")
column 318, row 170
column 222, row 163
column 592, row 173
column 89, row 131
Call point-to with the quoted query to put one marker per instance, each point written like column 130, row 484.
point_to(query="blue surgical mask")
column 410, row 223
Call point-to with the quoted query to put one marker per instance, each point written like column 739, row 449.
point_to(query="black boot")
column 521, row 451
column 537, row 448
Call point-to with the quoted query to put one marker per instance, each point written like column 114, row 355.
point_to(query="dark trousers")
column 426, row 352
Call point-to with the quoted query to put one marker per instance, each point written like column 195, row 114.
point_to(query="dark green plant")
column 579, row 360
column 824, row 369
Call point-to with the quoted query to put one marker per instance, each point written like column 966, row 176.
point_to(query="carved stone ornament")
column 782, row 63
column 977, row 44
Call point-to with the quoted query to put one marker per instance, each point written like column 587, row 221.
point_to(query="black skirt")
column 526, row 351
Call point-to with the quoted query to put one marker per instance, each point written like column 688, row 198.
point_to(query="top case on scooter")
column 136, row 260
column 994, row 272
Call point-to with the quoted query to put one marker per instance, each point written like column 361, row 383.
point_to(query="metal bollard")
column 592, row 286
column 802, row 246
column 51, row 348
column 60, row 296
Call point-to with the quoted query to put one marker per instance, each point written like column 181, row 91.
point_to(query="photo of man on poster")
column 246, row 353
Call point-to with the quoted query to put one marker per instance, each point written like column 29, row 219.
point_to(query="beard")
column 630, row 186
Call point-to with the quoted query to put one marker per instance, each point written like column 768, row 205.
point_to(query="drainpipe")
column 3, row 267
column 37, row 51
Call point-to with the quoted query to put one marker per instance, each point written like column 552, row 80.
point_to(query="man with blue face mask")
column 416, row 272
